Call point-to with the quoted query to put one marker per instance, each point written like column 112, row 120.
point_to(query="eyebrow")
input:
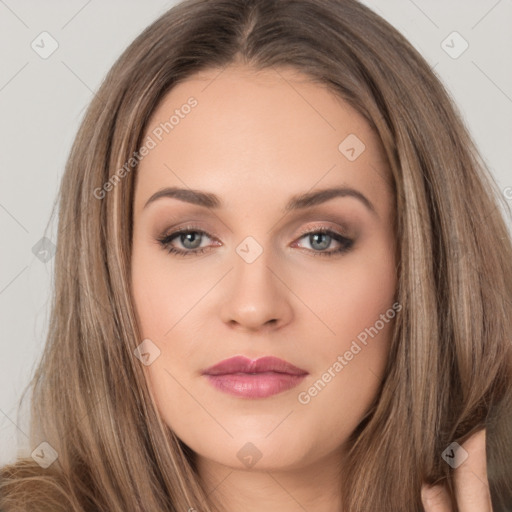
column 298, row 202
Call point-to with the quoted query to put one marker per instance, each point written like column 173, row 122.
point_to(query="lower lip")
column 254, row 385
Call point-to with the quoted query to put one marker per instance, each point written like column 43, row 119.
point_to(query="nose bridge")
column 252, row 277
column 256, row 297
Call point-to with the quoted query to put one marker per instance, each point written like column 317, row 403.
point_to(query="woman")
column 200, row 355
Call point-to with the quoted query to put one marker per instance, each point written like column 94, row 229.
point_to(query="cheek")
column 162, row 295
column 358, row 305
column 363, row 296
column 350, row 298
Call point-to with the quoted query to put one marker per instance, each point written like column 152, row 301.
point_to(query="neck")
column 314, row 487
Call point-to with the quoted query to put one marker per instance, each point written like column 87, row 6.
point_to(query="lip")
column 260, row 378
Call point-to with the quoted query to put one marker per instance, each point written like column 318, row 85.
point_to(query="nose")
column 257, row 297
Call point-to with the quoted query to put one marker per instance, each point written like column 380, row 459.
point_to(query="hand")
column 471, row 484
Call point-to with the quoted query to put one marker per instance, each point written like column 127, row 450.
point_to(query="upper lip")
column 242, row 364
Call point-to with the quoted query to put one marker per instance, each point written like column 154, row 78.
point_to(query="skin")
column 471, row 485
column 255, row 139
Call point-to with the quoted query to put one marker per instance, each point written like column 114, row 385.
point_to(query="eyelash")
column 165, row 242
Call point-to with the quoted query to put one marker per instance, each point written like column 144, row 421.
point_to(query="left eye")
column 191, row 239
column 321, row 239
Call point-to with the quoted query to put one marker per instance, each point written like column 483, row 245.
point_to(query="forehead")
column 271, row 131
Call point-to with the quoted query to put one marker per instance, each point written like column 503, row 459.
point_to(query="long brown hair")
column 450, row 365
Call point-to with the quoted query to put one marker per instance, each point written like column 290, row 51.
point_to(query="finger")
column 471, row 484
column 435, row 498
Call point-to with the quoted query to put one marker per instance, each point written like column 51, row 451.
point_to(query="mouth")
column 260, row 378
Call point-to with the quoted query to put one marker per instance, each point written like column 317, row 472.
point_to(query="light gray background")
column 43, row 100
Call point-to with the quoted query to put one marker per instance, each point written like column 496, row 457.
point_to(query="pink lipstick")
column 260, row 378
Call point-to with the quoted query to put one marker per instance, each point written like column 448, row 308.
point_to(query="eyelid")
column 188, row 227
column 341, row 229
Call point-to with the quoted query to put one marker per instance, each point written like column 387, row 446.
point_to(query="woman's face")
column 288, row 252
